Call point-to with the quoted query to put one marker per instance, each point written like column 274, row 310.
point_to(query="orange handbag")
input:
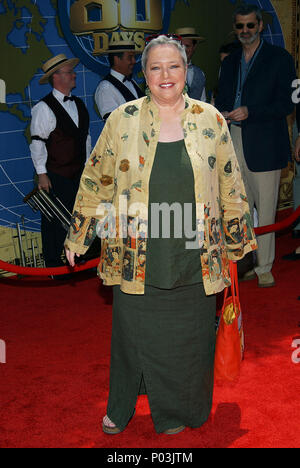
column 230, row 334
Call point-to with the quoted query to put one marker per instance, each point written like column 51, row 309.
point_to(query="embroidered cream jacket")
column 112, row 200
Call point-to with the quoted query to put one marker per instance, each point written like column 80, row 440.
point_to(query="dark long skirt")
column 165, row 339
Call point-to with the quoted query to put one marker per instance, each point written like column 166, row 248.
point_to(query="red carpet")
column 54, row 384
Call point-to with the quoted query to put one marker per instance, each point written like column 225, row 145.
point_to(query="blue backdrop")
column 30, row 33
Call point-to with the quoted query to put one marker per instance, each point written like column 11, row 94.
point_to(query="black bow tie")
column 68, row 98
column 127, row 78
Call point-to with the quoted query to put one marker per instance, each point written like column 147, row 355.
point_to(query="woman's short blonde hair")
column 163, row 40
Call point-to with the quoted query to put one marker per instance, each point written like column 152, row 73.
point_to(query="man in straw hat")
column 60, row 146
column 195, row 77
column 118, row 86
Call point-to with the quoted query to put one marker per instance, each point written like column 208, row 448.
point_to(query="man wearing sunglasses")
column 255, row 96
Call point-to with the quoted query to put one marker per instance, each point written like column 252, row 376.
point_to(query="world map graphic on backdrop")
column 30, row 33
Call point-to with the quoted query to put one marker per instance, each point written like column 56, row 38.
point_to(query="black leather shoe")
column 292, row 256
column 296, row 234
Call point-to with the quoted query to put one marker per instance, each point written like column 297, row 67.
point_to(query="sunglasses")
column 169, row 36
column 249, row 25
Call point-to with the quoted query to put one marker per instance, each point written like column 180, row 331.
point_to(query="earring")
column 148, row 92
column 185, row 89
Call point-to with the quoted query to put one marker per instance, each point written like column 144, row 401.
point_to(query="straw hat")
column 121, row 46
column 189, row 33
column 53, row 64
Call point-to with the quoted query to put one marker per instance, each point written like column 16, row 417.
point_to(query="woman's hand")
column 71, row 257
column 297, row 149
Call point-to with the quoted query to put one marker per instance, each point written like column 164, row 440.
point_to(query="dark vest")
column 126, row 93
column 66, row 145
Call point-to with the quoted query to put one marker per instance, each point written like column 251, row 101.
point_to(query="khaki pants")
column 262, row 191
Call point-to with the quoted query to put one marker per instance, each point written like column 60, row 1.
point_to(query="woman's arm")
column 237, row 225
column 96, row 187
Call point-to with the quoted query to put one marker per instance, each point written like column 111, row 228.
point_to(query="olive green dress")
column 163, row 342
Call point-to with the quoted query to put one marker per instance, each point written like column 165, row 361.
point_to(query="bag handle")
column 234, row 286
column 234, row 282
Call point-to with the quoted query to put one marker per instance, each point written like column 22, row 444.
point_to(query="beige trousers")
column 262, row 190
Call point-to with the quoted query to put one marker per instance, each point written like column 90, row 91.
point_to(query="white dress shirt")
column 43, row 122
column 108, row 97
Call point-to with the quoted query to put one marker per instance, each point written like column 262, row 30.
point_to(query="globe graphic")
column 86, row 44
column 22, row 91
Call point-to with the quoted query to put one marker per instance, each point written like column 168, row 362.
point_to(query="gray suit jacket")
column 197, row 86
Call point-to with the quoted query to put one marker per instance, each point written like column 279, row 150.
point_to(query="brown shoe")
column 175, row 430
